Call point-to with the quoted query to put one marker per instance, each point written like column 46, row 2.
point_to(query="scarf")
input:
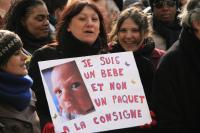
column 170, row 32
column 31, row 43
column 73, row 47
column 15, row 90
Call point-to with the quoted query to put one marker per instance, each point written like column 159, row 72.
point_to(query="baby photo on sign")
column 68, row 90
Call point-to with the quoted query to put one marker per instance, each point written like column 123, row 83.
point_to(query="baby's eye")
column 75, row 85
column 59, row 93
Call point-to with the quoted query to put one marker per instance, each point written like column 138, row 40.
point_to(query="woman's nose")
column 24, row 56
column 128, row 34
column 90, row 22
column 46, row 22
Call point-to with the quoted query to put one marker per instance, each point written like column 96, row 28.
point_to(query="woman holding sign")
column 80, row 32
column 131, row 33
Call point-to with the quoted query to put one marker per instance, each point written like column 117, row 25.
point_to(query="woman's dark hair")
column 74, row 9
column 19, row 10
column 52, row 5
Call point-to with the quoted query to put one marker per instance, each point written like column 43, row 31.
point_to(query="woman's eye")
column 95, row 19
column 82, row 18
column 40, row 18
column 135, row 30
column 75, row 86
column 122, row 30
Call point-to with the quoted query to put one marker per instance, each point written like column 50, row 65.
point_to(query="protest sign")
column 94, row 93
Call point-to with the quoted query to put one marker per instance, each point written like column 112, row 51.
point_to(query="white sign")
column 95, row 93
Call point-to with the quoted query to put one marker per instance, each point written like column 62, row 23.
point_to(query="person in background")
column 182, row 3
column 130, row 3
column 110, row 10
column 131, row 33
column 80, row 32
column 166, row 26
column 17, row 101
column 176, row 85
column 55, row 8
column 30, row 20
column 68, row 86
column 4, row 7
column 145, row 3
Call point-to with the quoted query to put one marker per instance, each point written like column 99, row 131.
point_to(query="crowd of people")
column 163, row 35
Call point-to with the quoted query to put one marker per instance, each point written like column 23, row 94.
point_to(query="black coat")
column 70, row 47
column 144, row 65
column 15, row 121
column 146, row 71
column 176, row 87
column 31, row 43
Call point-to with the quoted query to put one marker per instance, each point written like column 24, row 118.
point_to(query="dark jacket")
column 14, row 121
column 31, row 43
column 144, row 65
column 149, row 51
column 176, row 86
column 165, row 33
column 69, row 47
column 146, row 71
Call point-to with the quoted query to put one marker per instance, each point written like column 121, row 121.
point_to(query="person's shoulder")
column 171, row 56
column 160, row 42
column 46, row 52
column 141, row 58
column 49, row 47
column 157, row 53
column 143, row 62
column 173, row 50
column 114, row 47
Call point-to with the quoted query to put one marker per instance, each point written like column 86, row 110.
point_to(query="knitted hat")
column 9, row 44
column 119, row 4
column 151, row 2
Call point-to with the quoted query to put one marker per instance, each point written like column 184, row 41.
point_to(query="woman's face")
column 129, row 35
column 37, row 21
column 16, row 64
column 85, row 26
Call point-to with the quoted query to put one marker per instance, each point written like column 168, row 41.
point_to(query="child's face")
column 70, row 89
